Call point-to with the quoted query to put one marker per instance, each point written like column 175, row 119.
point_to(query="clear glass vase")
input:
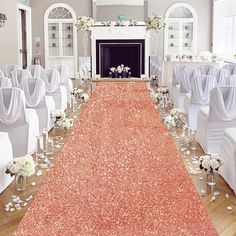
column 85, row 42
column 20, row 183
column 211, row 179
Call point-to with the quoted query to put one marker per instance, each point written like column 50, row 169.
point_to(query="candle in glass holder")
column 49, row 151
column 45, row 137
column 193, row 140
column 39, row 150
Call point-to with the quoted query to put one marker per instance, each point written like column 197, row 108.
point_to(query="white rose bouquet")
column 210, row 163
column 155, row 23
column 176, row 116
column 84, row 23
column 58, row 115
column 24, row 166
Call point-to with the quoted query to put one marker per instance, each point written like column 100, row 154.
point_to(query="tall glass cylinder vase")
column 20, row 183
column 85, row 42
column 154, row 40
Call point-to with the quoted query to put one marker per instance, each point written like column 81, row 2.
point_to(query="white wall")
column 204, row 11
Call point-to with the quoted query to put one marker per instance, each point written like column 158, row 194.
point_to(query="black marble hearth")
column 112, row 53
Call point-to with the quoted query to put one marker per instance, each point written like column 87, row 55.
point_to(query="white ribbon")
column 51, row 79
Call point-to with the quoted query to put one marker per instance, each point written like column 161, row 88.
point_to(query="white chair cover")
column 220, row 75
column 34, row 90
column 51, row 79
column 36, row 71
column 5, row 82
column 222, row 104
column 11, row 109
column 1, row 74
column 6, row 156
column 177, row 74
column 201, row 87
column 17, row 76
column 230, row 69
column 230, row 80
column 228, row 154
column 186, row 80
column 206, row 69
column 9, row 69
column 213, row 120
column 63, row 71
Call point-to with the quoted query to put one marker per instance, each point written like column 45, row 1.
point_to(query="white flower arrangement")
column 215, row 57
column 67, row 123
column 58, row 114
column 84, row 23
column 77, row 91
column 106, row 23
column 210, row 163
column 24, row 166
column 175, row 116
column 121, row 68
column 155, row 23
column 84, row 96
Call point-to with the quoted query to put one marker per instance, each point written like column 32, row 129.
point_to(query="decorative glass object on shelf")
column 67, row 35
column 53, row 39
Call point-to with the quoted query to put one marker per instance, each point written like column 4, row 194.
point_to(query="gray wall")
column 111, row 12
column 81, row 7
column 204, row 12
column 8, row 34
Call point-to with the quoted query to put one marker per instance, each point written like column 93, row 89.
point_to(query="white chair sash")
column 34, row 90
column 185, row 82
column 230, row 69
column 201, row 87
column 9, row 69
column 230, row 81
column 36, row 71
column 10, row 114
column 63, row 71
column 178, row 74
column 1, row 74
column 17, row 76
column 223, row 103
column 206, row 69
column 5, row 82
column 51, row 79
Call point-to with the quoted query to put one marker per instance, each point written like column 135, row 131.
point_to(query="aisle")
column 118, row 174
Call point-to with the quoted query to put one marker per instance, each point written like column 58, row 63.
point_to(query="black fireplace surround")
column 112, row 53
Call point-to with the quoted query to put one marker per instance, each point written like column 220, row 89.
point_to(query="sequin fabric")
column 119, row 174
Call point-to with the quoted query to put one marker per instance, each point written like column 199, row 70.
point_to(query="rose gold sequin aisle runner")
column 119, row 174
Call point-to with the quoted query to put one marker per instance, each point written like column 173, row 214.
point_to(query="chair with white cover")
column 184, row 87
column 228, row 154
column 21, row 124
column 53, row 88
column 230, row 69
column 230, row 80
column 5, row 82
column 6, row 156
column 213, row 119
column 9, row 68
column 1, row 74
column 65, row 80
column 17, row 75
column 206, row 69
column 36, row 71
column 35, row 96
column 199, row 97
column 220, row 75
column 177, row 75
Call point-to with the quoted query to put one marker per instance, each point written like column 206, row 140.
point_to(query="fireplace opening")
column 112, row 53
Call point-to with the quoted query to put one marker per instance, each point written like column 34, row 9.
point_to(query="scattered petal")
column 213, row 198
column 33, row 184
column 227, row 195
column 229, row 208
column 216, row 193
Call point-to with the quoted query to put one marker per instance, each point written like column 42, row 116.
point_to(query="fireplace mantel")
column 119, row 33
